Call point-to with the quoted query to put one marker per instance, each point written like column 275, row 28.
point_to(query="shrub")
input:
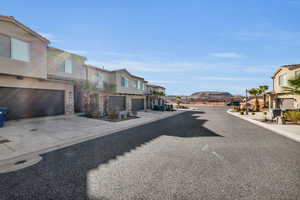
column 242, row 112
column 293, row 116
column 253, row 113
column 265, row 113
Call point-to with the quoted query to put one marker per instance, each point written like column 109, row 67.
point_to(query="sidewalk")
column 31, row 137
column 289, row 131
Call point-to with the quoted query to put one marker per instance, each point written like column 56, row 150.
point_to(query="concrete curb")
column 269, row 127
column 79, row 140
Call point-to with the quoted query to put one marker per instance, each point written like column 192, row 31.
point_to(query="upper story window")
column 124, row 82
column 14, row 49
column 19, row 50
column 99, row 79
column 143, row 86
column 283, row 80
column 297, row 73
column 136, row 84
column 68, row 68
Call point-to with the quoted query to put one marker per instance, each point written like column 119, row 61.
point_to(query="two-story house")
column 118, row 89
column 69, row 68
column 155, row 95
column 24, row 85
column 279, row 98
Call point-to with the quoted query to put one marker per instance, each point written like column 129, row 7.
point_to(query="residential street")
column 207, row 154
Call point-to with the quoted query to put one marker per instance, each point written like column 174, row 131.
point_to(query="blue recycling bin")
column 4, row 110
column 1, row 119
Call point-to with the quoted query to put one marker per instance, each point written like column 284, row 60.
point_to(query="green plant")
column 253, row 113
column 294, row 86
column 113, row 114
column 292, row 115
column 236, row 109
column 265, row 113
column 242, row 112
column 263, row 89
column 255, row 92
column 178, row 100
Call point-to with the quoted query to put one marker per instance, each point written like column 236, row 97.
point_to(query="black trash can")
column 276, row 113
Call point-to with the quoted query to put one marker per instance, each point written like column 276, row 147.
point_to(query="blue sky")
column 186, row 46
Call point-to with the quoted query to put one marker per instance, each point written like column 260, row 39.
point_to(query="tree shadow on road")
column 62, row 174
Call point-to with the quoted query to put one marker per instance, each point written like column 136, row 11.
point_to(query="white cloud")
column 226, row 55
column 149, row 66
column 220, row 78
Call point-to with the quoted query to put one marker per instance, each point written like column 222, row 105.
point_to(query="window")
column 19, row 50
column 124, row 82
column 5, row 44
column 297, row 73
column 99, row 79
column 68, row 66
column 282, row 80
column 139, row 85
column 136, row 84
column 143, row 86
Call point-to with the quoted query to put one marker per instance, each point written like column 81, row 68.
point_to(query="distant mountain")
column 210, row 96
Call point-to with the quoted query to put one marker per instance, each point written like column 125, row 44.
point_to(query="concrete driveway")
column 40, row 135
column 194, row 155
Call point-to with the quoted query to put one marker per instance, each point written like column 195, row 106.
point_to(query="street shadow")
column 62, row 174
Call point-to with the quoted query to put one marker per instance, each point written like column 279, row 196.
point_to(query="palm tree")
column 178, row 100
column 294, row 86
column 255, row 92
column 263, row 89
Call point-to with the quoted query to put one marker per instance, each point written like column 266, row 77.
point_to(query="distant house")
column 278, row 98
column 119, row 90
column 155, row 95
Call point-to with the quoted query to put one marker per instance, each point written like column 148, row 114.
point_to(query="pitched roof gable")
column 290, row 67
column 23, row 27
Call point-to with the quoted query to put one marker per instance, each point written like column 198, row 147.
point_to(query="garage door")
column 137, row 104
column 26, row 103
column 116, row 103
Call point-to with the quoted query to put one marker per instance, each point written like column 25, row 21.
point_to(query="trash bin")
column 4, row 111
column 1, row 119
column 276, row 113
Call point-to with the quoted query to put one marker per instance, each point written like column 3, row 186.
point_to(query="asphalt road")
column 195, row 155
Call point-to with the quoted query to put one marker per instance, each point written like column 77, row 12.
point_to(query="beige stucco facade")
column 279, row 95
column 36, row 67
column 131, row 89
column 106, row 76
column 30, row 74
column 55, row 61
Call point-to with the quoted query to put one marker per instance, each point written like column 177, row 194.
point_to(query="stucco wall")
column 290, row 75
column 56, row 59
column 131, row 89
column 12, row 81
column 107, row 76
column 37, row 66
